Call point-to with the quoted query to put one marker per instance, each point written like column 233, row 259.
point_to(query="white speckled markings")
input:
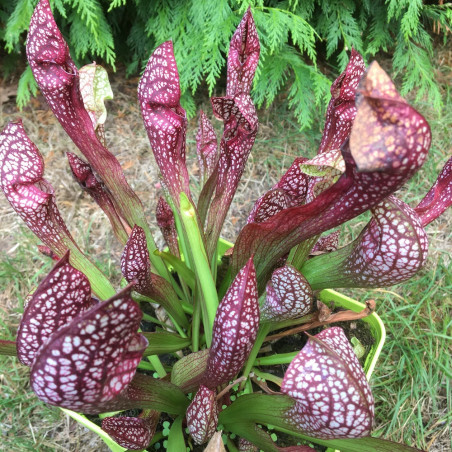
column 289, row 295
column 202, row 415
column 92, row 359
column 290, row 191
column 388, row 143
column 391, row 249
column 332, row 395
column 133, row 433
column 243, row 56
column 235, row 328
column 341, row 108
column 61, row 296
column 135, row 262
column 206, row 146
column 237, row 111
column 58, row 79
column 167, row 225
column 438, row 198
column 164, row 118
column 30, row 195
column 136, row 266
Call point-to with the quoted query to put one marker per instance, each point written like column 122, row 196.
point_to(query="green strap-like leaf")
column 257, row 408
column 256, row 435
column 201, row 262
column 148, row 392
column 164, row 342
column 176, row 436
column 179, row 266
column 188, row 371
column 368, row 444
column 270, row 409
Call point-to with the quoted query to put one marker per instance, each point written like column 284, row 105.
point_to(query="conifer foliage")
column 293, row 34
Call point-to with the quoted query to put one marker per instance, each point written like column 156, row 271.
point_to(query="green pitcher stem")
column 291, row 322
column 300, row 253
column 145, row 365
column 188, row 308
column 181, row 236
column 158, row 436
column 154, row 361
column 196, row 321
column 261, row 335
column 179, row 289
column 231, row 446
column 209, row 297
column 248, row 387
column 176, row 325
column 184, row 253
column 100, row 284
column 156, row 261
column 327, row 270
column 110, row 414
column 266, row 376
column 179, row 266
column 280, row 358
column 149, row 318
column 158, row 366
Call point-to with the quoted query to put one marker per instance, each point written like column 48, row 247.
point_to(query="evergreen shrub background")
column 295, row 35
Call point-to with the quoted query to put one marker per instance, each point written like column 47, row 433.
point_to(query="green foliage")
column 295, row 34
column 27, row 87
